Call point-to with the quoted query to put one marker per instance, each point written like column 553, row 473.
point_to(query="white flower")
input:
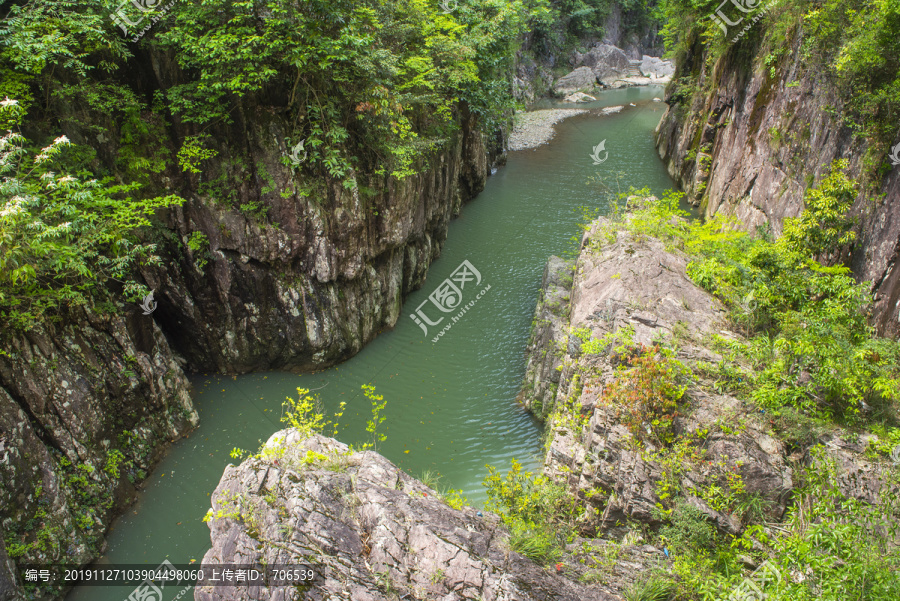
column 61, row 140
column 13, row 207
column 9, row 102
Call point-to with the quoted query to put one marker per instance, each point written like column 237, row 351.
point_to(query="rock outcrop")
column 368, row 531
column 607, row 66
column 606, row 62
column 760, row 138
column 619, row 30
column 582, row 78
column 318, row 276
column 636, row 289
column 652, row 66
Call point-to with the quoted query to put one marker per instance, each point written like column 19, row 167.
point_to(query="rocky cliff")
column 634, row 294
column 317, row 277
column 748, row 138
column 86, row 408
column 624, row 367
column 367, row 530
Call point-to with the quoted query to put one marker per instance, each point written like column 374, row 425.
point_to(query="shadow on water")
column 451, row 403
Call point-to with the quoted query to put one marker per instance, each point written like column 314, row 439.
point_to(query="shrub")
column 646, row 392
column 63, row 236
column 540, row 514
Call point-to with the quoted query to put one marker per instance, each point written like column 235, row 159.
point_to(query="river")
column 450, row 404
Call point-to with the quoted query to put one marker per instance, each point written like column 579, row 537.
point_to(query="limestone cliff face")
column 754, row 143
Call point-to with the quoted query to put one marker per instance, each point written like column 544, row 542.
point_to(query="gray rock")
column 635, row 283
column 582, row 78
column 9, row 589
column 368, row 530
column 652, row 66
column 69, row 393
column 607, row 63
column 579, row 97
column 550, row 316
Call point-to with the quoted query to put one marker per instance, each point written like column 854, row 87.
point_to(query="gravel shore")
column 536, row 127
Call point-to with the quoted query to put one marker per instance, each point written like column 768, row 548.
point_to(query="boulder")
column 579, row 79
column 607, row 63
column 652, row 66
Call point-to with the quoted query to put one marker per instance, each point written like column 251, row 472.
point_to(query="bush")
column 63, row 236
column 540, row 514
column 646, row 392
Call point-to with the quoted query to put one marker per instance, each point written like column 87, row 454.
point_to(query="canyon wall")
column 748, row 139
column 86, row 407
column 319, row 276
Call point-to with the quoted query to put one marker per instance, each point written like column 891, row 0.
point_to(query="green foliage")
column 71, row 36
column 844, row 548
column 372, row 425
column 304, row 413
column 454, row 498
column 539, row 513
column 688, row 530
column 199, row 245
column 854, row 42
column 114, row 460
column 653, row 588
column 824, row 226
column 858, row 42
column 63, row 236
column 371, row 84
column 194, row 150
column 811, row 346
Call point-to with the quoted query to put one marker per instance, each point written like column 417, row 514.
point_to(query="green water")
column 451, row 404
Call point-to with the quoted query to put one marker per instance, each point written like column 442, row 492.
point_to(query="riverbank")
column 534, row 128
